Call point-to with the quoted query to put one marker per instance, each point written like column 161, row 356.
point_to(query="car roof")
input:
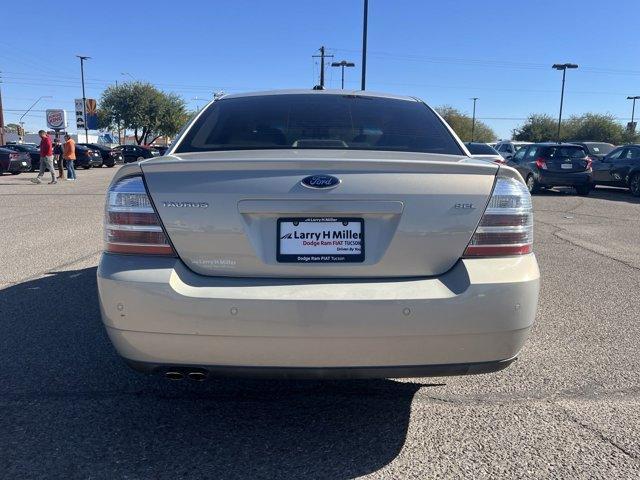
column 357, row 93
column 556, row 144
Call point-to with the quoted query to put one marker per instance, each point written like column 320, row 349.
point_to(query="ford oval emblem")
column 321, row 181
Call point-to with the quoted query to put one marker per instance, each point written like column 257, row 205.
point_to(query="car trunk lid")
column 226, row 213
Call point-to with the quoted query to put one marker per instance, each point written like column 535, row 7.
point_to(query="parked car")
column 14, row 162
column 316, row 234
column 484, row 152
column 619, row 168
column 110, row 156
column 596, row 150
column 508, row 148
column 87, row 157
column 136, row 153
column 548, row 165
column 32, row 150
column 161, row 149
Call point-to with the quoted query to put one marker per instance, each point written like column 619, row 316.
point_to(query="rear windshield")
column 565, row 152
column 600, row 148
column 321, row 121
column 481, row 149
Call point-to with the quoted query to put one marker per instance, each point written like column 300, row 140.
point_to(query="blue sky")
column 443, row 52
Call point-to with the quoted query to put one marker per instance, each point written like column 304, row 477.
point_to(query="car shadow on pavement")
column 72, row 409
column 605, row 193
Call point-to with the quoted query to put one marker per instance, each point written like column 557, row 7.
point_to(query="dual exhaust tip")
column 176, row 375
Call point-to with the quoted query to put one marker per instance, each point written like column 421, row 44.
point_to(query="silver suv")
column 508, row 148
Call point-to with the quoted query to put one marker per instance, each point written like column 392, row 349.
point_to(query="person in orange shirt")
column 69, row 155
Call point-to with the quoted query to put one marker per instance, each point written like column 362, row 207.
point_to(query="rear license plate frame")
column 332, row 258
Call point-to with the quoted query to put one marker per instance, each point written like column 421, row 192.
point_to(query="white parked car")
column 318, row 234
column 484, row 151
column 508, row 148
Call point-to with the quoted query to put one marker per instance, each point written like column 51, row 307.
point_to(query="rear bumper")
column 556, row 179
column 473, row 319
column 17, row 166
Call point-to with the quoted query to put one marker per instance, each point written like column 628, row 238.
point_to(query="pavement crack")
column 572, row 418
column 584, row 245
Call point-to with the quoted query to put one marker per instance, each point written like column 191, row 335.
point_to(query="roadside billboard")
column 56, row 119
column 91, row 114
column 79, row 114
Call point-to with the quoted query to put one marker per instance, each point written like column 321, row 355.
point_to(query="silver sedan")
column 318, row 234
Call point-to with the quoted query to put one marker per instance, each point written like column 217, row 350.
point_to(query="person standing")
column 69, row 155
column 57, row 153
column 46, row 158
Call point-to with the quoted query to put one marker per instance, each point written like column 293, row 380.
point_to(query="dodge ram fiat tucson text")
column 318, row 234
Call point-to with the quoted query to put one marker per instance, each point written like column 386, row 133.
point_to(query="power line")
column 483, row 62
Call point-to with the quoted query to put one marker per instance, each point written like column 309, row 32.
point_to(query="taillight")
column 506, row 227
column 541, row 163
column 131, row 223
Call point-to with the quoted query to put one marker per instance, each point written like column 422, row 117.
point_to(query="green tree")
column 537, row 128
column 595, row 127
column 11, row 128
column 462, row 125
column 141, row 107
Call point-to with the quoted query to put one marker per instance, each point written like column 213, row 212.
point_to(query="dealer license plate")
column 320, row 240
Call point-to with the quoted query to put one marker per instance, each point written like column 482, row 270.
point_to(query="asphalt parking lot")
column 568, row 408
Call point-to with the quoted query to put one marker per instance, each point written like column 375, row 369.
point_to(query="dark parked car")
column 620, row 168
column 596, row 150
column 110, row 156
column 547, row 165
column 483, row 151
column 87, row 157
column 135, row 153
column 32, row 150
column 14, row 162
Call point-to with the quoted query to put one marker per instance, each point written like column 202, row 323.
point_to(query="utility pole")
column 84, row 97
column 632, row 127
column 118, row 123
column 364, row 45
column 563, row 67
column 1, row 117
column 322, row 57
column 343, row 64
column 473, row 122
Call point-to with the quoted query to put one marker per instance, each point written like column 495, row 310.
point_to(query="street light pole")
column 563, row 67
column 84, row 97
column 473, row 121
column 343, row 64
column 364, row 44
column 633, row 109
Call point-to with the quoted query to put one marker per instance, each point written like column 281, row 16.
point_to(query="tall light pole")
column 364, row 44
column 84, row 97
column 563, row 67
column 343, row 64
column 1, row 116
column 473, row 121
column 632, row 128
column 196, row 100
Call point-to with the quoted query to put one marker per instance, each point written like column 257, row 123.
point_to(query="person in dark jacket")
column 57, row 152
